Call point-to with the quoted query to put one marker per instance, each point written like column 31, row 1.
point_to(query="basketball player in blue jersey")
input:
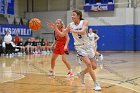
column 84, row 49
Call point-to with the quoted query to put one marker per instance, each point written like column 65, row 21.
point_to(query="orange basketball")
column 35, row 24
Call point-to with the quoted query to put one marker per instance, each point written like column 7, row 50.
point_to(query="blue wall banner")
column 7, row 7
column 14, row 29
column 98, row 8
column 2, row 7
column 10, row 9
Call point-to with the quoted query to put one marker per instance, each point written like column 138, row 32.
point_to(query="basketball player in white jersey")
column 93, row 37
column 79, row 28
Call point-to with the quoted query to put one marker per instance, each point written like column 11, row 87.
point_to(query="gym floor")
column 119, row 72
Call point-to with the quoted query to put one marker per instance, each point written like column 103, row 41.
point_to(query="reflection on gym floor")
column 117, row 73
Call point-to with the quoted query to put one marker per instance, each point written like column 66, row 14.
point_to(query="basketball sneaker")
column 96, row 58
column 70, row 74
column 51, row 73
column 101, row 57
column 97, row 87
column 81, row 76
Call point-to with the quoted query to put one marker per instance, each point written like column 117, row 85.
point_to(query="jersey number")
column 79, row 36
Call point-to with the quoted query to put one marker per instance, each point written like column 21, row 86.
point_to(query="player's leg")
column 64, row 59
column 54, row 57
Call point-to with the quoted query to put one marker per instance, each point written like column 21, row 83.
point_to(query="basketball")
column 35, row 24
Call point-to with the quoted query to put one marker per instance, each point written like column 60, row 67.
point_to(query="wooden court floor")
column 119, row 72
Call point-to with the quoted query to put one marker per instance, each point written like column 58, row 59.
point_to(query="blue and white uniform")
column 81, row 42
column 92, row 37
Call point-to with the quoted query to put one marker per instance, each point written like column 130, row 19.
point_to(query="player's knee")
column 94, row 67
column 88, row 64
column 53, row 59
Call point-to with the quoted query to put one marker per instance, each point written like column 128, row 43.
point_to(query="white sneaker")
column 51, row 73
column 101, row 57
column 81, row 76
column 48, row 52
column 97, row 87
column 43, row 52
column 96, row 58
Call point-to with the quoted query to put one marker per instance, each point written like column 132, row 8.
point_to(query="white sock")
column 94, row 81
column 70, row 70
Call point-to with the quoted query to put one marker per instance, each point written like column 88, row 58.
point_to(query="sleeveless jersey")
column 79, row 39
column 60, row 43
column 60, row 40
column 92, row 37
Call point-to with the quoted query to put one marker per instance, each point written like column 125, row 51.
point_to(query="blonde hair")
column 62, row 23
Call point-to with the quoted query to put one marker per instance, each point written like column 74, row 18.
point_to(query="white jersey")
column 81, row 42
column 92, row 36
column 79, row 39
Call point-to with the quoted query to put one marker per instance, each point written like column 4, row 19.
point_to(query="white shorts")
column 92, row 43
column 85, row 50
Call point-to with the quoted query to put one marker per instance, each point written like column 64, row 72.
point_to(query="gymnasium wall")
column 118, row 30
column 45, row 17
column 137, row 28
column 20, row 8
column 24, row 6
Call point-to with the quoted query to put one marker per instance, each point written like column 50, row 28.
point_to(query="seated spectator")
column 43, row 46
column 46, row 44
column 38, row 46
column 34, row 46
column 1, row 50
column 17, row 39
column 7, row 44
column 21, row 47
column 48, row 47
column 28, row 45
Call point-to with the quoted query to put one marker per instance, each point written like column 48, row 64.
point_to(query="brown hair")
column 94, row 31
column 78, row 12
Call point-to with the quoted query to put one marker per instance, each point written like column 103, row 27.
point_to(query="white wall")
column 121, row 3
column 59, row 5
column 40, row 6
column 121, row 16
column 137, row 15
